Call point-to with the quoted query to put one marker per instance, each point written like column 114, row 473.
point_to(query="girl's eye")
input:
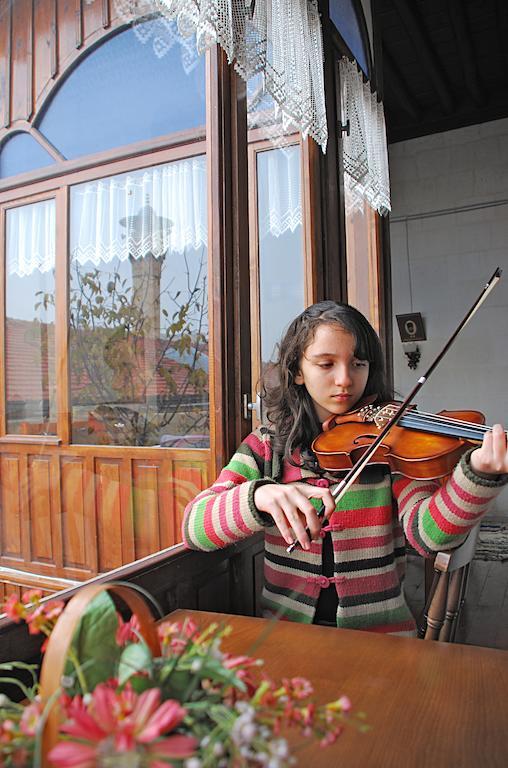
column 361, row 363
column 325, row 365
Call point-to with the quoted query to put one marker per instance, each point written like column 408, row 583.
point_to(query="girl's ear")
column 299, row 378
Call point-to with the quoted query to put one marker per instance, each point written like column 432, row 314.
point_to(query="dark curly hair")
column 289, row 408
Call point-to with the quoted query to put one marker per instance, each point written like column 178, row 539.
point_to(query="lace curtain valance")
column 365, row 155
column 154, row 211
column 281, row 39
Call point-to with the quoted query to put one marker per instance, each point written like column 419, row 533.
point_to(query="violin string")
column 422, row 415
column 466, row 428
column 443, row 429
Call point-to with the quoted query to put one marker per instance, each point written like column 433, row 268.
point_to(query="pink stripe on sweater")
column 293, row 583
column 444, row 525
column 260, row 447
column 366, row 585
column 237, row 515
column 209, row 527
column 224, row 522
column 460, row 513
column 466, row 496
column 362, row 543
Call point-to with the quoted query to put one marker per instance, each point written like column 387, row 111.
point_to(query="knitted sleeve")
column 438, row 517
column 225, row 512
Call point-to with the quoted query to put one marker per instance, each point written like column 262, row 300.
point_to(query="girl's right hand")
column 292, row 511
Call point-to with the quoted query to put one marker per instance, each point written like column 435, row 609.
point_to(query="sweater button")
column 323, row 581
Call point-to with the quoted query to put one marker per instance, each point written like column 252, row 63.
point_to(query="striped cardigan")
column 367, row 531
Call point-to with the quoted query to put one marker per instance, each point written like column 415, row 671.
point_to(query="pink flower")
column 30, row 718
column 176, row 635
column 121, row 721
column 128, row 631
column 298, row 688
column 14, row 609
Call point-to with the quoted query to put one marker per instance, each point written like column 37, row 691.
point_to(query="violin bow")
column 357, row 468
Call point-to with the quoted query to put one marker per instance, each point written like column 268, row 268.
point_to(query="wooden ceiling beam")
column 466, row 51
column 394, row 82
column 426, row 54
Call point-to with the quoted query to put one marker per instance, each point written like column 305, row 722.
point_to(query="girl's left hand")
column 492, row 457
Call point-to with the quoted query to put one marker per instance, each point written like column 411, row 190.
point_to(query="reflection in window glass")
column 138, row 308
column 30, row 319
column 21, row 153
column 281, row 278
column 362, row 251
column 126, row 91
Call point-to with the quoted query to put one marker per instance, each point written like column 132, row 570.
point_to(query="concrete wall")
column 449, row 231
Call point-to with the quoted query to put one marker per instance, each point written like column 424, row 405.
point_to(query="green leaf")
column 94, row 642
column 136, row 657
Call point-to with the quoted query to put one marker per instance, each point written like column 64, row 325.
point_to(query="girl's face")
column 332, row 375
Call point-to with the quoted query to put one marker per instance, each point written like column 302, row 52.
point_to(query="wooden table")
column 429, row 704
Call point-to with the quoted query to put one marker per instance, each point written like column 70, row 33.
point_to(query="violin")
column 421, row 446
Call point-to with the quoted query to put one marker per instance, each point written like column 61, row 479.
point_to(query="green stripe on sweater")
column 365, row 499
column 433, row 531
column 380, row 618
column 198, row 529
column 241, row 468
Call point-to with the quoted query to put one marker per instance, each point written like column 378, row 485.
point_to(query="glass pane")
column 21, row 153
column 30, row 319
column 362, row 256
column 127, row 90
column 344, row 16
column 139, row 310
column 281, row 278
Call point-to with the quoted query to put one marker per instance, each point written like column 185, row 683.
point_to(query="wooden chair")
column 448, row 590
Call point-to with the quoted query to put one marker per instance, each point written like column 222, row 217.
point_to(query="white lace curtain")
column 282, row 39
column 31, row 238
column 279, row 193
column 365, row 155
column 146, row 212
column 153, row 211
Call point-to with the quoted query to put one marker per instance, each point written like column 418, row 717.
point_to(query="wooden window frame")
column 60, row 192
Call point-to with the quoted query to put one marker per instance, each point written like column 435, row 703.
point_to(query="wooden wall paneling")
column 22, row 60
column 145, row 490
column 127, row 510
column 40, row 529
column 24, row 496
column 5, row 62
column 189, row 477
column 66, row 31
column 56, row 499
column 73, row 481
column 11, row 507
column 93, row 18
column 109, row 513
column 90, row 516
column 45, row 53
column 78, row 23
column 167, row 521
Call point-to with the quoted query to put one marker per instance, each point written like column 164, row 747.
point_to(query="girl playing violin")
column 348, row 572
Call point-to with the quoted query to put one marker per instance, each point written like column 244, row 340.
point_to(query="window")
column 344, row 15
column 30, row 319
column 138, row 308
column 21, row 153
column 122, row 92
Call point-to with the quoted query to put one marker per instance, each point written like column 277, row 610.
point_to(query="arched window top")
column 345, row 17
column 22, row 153
column 125, row 91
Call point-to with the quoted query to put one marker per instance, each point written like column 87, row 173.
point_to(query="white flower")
column 193, row 762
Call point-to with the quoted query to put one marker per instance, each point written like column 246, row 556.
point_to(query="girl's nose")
column 343, row 376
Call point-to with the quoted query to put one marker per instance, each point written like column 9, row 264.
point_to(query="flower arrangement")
column 190, row 704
